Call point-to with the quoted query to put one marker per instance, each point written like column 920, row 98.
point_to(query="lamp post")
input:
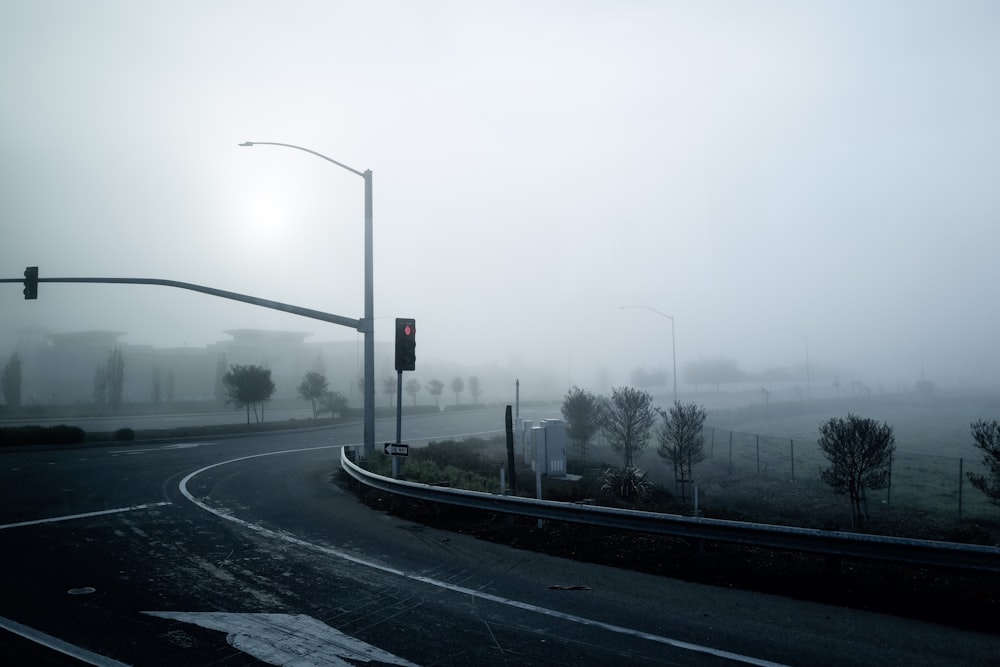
column 367, row 323
column 806, row 342
column 673, row 340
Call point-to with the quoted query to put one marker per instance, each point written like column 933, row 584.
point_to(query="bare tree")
column 584, row 416
column 457, row 386
column 987, row 437
column 412, row 387
column 313, row 388
column 219, row 388
column 681, row 443
column 115, row 377
column 860, row 452
column 10, row 380
column 435, row 389
column 629, row 422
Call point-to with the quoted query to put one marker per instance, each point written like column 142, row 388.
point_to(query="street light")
column 673, row 339
column 367, row 323
column 806, row 341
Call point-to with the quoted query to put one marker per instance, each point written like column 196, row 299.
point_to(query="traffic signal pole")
column 399, row 421
column 233, row 296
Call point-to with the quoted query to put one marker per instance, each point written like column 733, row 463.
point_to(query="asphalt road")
column 244, row 552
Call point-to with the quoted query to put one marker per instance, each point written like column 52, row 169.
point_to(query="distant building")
column 59, row 368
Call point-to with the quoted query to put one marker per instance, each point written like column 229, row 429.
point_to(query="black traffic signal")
column 31, row 282
column 406, row 344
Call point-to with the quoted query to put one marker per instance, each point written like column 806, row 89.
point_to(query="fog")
column 787, row 181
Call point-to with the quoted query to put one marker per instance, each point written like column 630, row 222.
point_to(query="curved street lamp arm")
column 300, row 148
column 669, row 317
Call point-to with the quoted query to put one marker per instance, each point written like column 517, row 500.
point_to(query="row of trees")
column 627, row 420
column 859, row 450
column 435, row 388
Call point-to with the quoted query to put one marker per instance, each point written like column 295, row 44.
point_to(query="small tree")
column 474, row 388
column 681, row 443
column 156, row 394
column 389, row 389
column 435, row 388
column 248, row 386
column 333, row 402
column 313, row 388
column 987, row 437
column 583, row 416
column 101, row 384
column 629, row 422
column 457, row 385
column 412, row 387
column 11, row 382
column 860, row 452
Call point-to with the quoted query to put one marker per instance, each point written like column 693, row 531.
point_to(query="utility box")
column 547, row 447
column 555, row 447
column 524, row 437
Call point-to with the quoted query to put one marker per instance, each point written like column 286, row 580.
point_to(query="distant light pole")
column 806, row 341
column 673, row 339
column 367, row 323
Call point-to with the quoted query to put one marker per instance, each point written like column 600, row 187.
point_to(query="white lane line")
column 70, row 517
column 330, row 551
column 59, row 645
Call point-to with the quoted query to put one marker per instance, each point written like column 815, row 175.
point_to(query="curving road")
column 243, row 552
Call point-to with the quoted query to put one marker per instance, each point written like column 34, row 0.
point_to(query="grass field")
column 934, row 449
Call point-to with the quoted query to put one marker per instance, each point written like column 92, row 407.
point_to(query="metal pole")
column 673, row 350
column 369, row 324
column 673, row 340
column 399, row 421
column 960, row 464
column 368, row 321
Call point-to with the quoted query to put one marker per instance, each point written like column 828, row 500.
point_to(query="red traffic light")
column 406, row 344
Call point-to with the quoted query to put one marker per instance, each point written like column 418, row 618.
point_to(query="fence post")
column 888, row 488
column 791, row 448
column 730, row 452
column 960, row 464
column 757, row 435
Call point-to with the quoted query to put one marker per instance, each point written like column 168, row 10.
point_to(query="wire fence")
column 935, row 485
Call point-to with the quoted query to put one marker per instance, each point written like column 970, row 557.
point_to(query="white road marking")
column 59, row 645
column 287, row 639
column 179, row 445
column 330, row 551
column 70, row 517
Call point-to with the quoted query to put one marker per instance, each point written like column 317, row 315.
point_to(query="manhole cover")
column 83, row 590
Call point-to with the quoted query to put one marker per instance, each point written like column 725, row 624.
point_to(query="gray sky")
column 751, row 168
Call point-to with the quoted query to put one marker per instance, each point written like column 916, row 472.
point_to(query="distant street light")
column 673, row 339
column 367, row 323
column 806, row 341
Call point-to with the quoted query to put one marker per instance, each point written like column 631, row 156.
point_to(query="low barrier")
column 834, row 543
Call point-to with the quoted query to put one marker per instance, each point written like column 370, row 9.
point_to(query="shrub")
column 124, row 435
column 626, row 483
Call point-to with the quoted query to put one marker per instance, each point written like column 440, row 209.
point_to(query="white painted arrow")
column 287, row 639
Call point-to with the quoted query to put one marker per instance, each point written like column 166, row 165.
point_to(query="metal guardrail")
column 834, row 543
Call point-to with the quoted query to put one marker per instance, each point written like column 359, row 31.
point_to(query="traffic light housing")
column 31, row 282
column 406, row 344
